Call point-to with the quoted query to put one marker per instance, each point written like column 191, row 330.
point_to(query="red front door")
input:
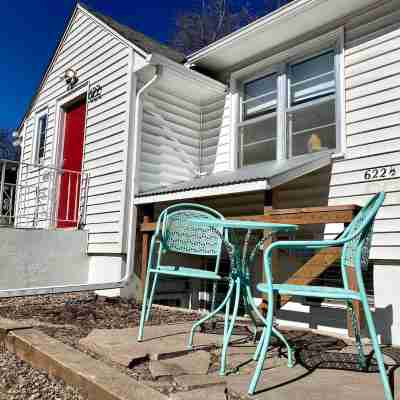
column 74, row 130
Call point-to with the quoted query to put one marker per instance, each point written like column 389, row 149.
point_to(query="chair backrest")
column 180, row 235
column 361, row 229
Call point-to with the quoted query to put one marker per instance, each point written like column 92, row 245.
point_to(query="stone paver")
column 210, row 393
column 245, row 364
column 190, row 382
column 121, row 345
column 196, row 362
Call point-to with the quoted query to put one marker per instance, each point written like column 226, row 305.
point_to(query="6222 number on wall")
column 380, row 173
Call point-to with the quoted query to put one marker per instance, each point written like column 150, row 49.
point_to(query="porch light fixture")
column 70, row 77
column 17, row 139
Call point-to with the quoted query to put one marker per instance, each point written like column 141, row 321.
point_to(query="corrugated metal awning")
column 261, row 176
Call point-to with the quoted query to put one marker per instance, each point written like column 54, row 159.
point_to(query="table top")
column 242, row 224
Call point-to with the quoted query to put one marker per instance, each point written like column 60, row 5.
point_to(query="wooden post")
column 145, row 250
column 147, row 213
column 357, row 306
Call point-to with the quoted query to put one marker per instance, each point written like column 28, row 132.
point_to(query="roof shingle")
column 139, row 39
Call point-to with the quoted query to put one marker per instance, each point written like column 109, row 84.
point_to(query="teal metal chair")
column 176, row 234
column 355, row 242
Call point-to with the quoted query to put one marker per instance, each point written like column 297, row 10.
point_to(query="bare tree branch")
column 214, row 19
column 197, row 28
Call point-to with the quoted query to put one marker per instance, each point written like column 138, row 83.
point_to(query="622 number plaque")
column 94, row 93
column 380, row 173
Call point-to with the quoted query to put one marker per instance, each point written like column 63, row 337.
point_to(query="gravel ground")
column 19, row 381
column 70, row 317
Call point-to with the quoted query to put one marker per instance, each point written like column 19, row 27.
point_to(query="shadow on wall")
column 330, row 318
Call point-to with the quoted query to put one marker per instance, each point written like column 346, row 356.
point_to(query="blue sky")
column 30, row 30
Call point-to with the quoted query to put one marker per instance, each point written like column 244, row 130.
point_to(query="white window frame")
column 273, row 70
column 333, row 40
column 36, row 136
column 292, row 108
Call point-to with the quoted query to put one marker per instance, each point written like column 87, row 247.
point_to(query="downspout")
column 132, row 210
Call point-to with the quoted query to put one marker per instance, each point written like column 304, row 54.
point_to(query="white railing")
column 42, row 196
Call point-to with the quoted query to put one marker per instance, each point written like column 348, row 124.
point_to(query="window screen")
column 312, row 78
column 260, row 96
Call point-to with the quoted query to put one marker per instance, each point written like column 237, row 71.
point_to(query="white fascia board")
column 206, row 192
column 279, row 16
column 184, row 72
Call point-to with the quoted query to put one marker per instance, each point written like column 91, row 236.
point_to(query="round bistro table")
column 241, row 257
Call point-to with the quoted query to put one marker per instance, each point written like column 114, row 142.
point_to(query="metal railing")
column 41, row 196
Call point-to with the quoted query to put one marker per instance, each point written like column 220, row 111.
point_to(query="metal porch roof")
column 273, row 172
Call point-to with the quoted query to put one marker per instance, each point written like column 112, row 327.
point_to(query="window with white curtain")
column 302, row 95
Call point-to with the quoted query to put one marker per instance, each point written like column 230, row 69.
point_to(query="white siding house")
column 306, row 111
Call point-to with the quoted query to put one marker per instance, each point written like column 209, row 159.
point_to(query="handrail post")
column 3, row 178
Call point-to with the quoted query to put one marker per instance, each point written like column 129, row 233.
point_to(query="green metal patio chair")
column 355, row 242
column 176, row 234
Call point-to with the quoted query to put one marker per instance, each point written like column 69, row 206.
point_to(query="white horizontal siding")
column 216, row 135
column 372, row 81
column 162, row 160
column 98, row 57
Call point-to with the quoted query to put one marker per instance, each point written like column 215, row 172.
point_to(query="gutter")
column 132, row 215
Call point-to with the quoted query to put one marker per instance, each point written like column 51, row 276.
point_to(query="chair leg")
column 377, row 350
column 228, row 335
column 150, row 302
column 259, row 345
column 227, row 311
column 263, row 352
column 210, row 315
column 144, row 306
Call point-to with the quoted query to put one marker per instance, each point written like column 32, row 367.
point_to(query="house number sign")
column 94, row 93
column 380, row 173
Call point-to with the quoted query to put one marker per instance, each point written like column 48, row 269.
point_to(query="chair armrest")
column 307, row 244
column 296, row 244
